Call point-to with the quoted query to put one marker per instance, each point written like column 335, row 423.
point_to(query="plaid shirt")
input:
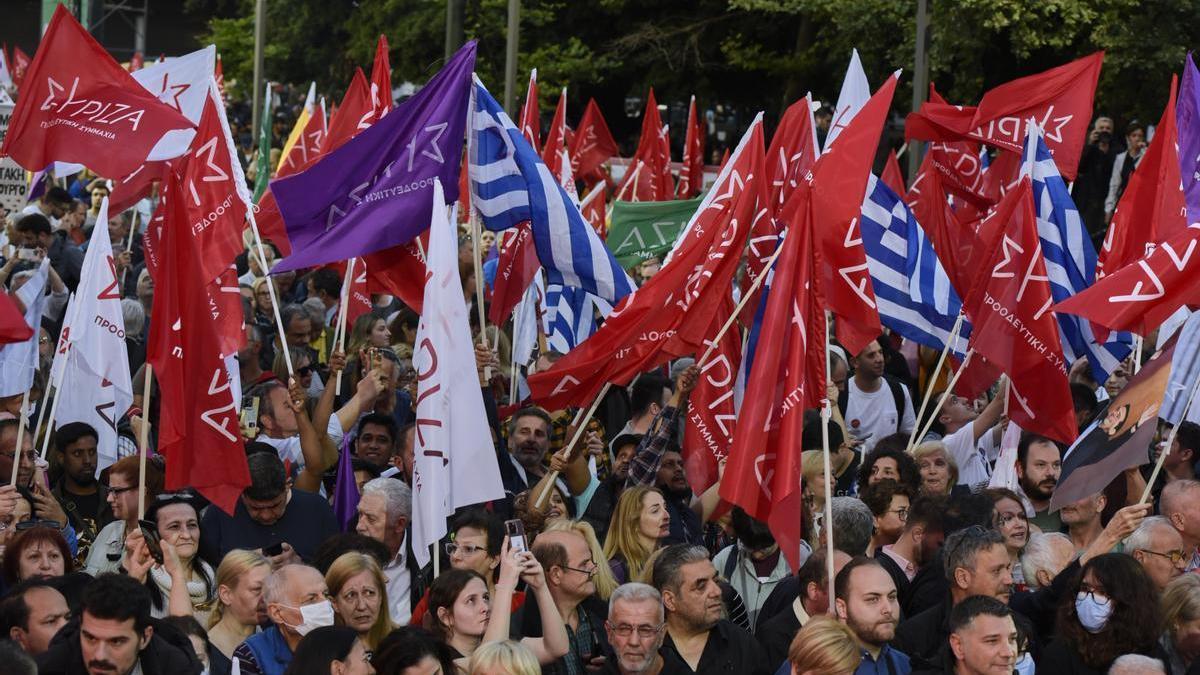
column 643, row 468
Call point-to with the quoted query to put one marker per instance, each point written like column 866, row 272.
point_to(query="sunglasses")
column 30, row 524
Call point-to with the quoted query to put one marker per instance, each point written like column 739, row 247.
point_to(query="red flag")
column 219, row 74
column 892, row 176
column 531, row 119
column 593, row 143
column 82, row 106
column 132, row 188
column 137, row 62
column 1140, row 296
column 20, row 64
column 1012, row 325
column 593, row 209
column 308, row 146
column 381, row 80
column 360, row 295
column 1152, row 209
column 708, row 429
column 515, row 270
column 787, row 376
column 12, row 321
column 691, row 175
column 558, row 139
column 1059, row 99
column 198, row 427
column 839, row 183
column 400, row 271
column 653, row 182
column 354, row 114
column 954, row 243
column 672, row 313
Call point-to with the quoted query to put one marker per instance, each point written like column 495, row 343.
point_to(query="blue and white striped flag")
column 510, row 184
column 1070, row 258
column 570, row 316
column 912, row 291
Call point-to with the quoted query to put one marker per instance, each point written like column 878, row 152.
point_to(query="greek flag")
column 511, row 184
column 1070, row 258
column 570, row 316
column 912, row 291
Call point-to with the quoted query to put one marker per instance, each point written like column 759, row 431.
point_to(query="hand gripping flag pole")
column 912, row 439
column 945, row 394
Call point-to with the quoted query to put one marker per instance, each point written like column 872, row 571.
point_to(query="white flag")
column 181, row 83
column 454, row 460
column 1005, row 473
column 89, row 398
column 854, row 95
column 95, row 333
column 19, row 360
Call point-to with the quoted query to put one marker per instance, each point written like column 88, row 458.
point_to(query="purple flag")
column 345, row 491
column 375, row 192
column 1187, row 119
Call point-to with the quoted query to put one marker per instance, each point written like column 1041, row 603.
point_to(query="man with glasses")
column 570, row 568
column 964, row 433
column 476, row 537
column 635, row 629
column 1158, row 546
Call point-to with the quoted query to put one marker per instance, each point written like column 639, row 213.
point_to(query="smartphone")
column 250, row 418
column 274, row 549
column 515, row 530
column 25, row 253
column 153, row 542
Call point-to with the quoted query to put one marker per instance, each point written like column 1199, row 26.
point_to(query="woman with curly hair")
column 888, row 459
column 1113, row 610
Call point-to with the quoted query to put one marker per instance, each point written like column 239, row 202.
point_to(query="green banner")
column 263, row 170
column 643, row 230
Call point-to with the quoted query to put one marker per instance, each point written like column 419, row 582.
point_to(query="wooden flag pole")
column 133, row 226
column 826, row 415
column 17, row 453
column 945, row 394
column 1137, row 354
column 580, row 424
column 143, row 443
column 912, row 439
column 1162, row 455
column 341, row 324
column 262, row 263
column 437, row 561
column 62, row 373
column 758, row 281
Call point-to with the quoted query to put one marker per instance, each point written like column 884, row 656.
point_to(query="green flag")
column 643, row 230
column 263, row 171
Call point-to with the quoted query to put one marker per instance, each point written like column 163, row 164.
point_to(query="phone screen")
column 515, row 530
column 153, row 542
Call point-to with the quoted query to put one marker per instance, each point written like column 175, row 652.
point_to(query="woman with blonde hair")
column 368, row 331
column 824, row 646
column 236, row 614
column 359, row 592
column 504, row 657
column 639, row 523
column 603, row 579
column 939, row 472
column 1180, row 608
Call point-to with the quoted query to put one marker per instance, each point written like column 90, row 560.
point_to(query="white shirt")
column 399, row 586
column 875, row 413
column 289, row 448
column 972, row 468
column 34, row 208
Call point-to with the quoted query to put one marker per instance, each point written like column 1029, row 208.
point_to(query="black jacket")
column 924, row 637
column 1059, row 658
column 527, row 622
column 168, row 653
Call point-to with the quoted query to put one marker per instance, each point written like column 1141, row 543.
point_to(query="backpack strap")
column 730, row 563
column 897, row 398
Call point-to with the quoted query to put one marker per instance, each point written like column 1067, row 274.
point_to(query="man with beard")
column 599, row 510
column 1039, row 464
column 918, row 543
column 865, row 600
column 699, row 638
column 83, row 498
column 635, row 630
column 528, row 442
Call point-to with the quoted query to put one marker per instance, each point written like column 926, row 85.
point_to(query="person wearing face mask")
column 297, row 603
column 1181, row 620
column 1112, row 609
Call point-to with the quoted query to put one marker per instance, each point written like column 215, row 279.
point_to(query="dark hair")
column 810, row 436
column 967, row 509
column 1028, row 439
column 483, row 521
column 24, row 539
column 117, row 597
column 648, row 389
column 347, row 542
column 35, row 223
column 1083, row 398
column 266, row 408
column 926, row 510
column 752, row 533
column 326, row 279
column 529, row 411
column 128, row 468
column 666, row 573
column 965, row 612
column 268, row 479
column 928, row 418
column 878, row 496
column 1189, row 438
column 57, row 195
column 961, row 548
column 406, row 647
column 13, row 610
column 16, row 661
column 1134, row 125
column 841, row 583
column 910, row 473
column 320, row 648
column 170, row 499
column 71, row 432
column 288, row 313
column 1134, row 623
column 357, row 465
column 813, row 571
column 380, row 420
column 405, row 318
column 443, row 592
column 188, row 625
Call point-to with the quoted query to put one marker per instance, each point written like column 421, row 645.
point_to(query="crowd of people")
column 598, row 559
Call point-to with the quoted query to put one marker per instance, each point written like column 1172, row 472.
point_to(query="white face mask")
column 313, row 616
column 1093, row 614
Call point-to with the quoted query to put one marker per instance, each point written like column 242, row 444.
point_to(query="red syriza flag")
column 558, row 140
column 531, row 120
column 711, row 415
column 308, row 146
column 786, row 378
column 20, row 65
column 839, row 182
column 673, row 313
column 691, row 175
column 515, row 268
column 652, row 182
column 593, row 143
column 1012, row 323
column 400, row 271
column 381, row 80
column 198, row 427
column 1059, row 99
column 79, row 105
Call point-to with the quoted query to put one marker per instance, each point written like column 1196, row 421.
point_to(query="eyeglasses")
column 28, row 455
column 902, row 513
column 1175, row 556
column 30, row 524
column 465, row 549
column 644, row 631
column 1006, row 518
column 118, row 491
column 590, row 570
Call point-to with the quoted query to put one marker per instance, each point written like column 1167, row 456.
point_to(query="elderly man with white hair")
column 1158, row 546
column 384, row 511
column 1136, row 664
column 1045, row 555
column 635, row 628
column 1180, row 503
column 297, row 603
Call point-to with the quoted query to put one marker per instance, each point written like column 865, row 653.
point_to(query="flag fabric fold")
column 691, row 174
column 592, row 144
column 19, row 360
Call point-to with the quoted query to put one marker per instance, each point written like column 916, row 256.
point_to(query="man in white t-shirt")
column 964, row 433
column 875, row 406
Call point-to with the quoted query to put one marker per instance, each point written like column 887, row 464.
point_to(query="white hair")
column 275, row 586
column 1136, row 664
column 636, row 592
column 1040, row 554
column 396, row 495
column 1140, row 538
column 133, row 315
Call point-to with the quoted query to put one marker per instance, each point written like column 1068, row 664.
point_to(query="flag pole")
column 933, row 378
column 133, row 226
column 580, row 424
column 22, row 419
column 143, row 442
column 758, row 281
column 1137, row 353
column 949, row 388
column 437, row 561
column 1162, row 456
column 473, row 220
column 826, row 414
column 262, row 262
column 632, row 179
column 62, row 373
column 341, row 327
